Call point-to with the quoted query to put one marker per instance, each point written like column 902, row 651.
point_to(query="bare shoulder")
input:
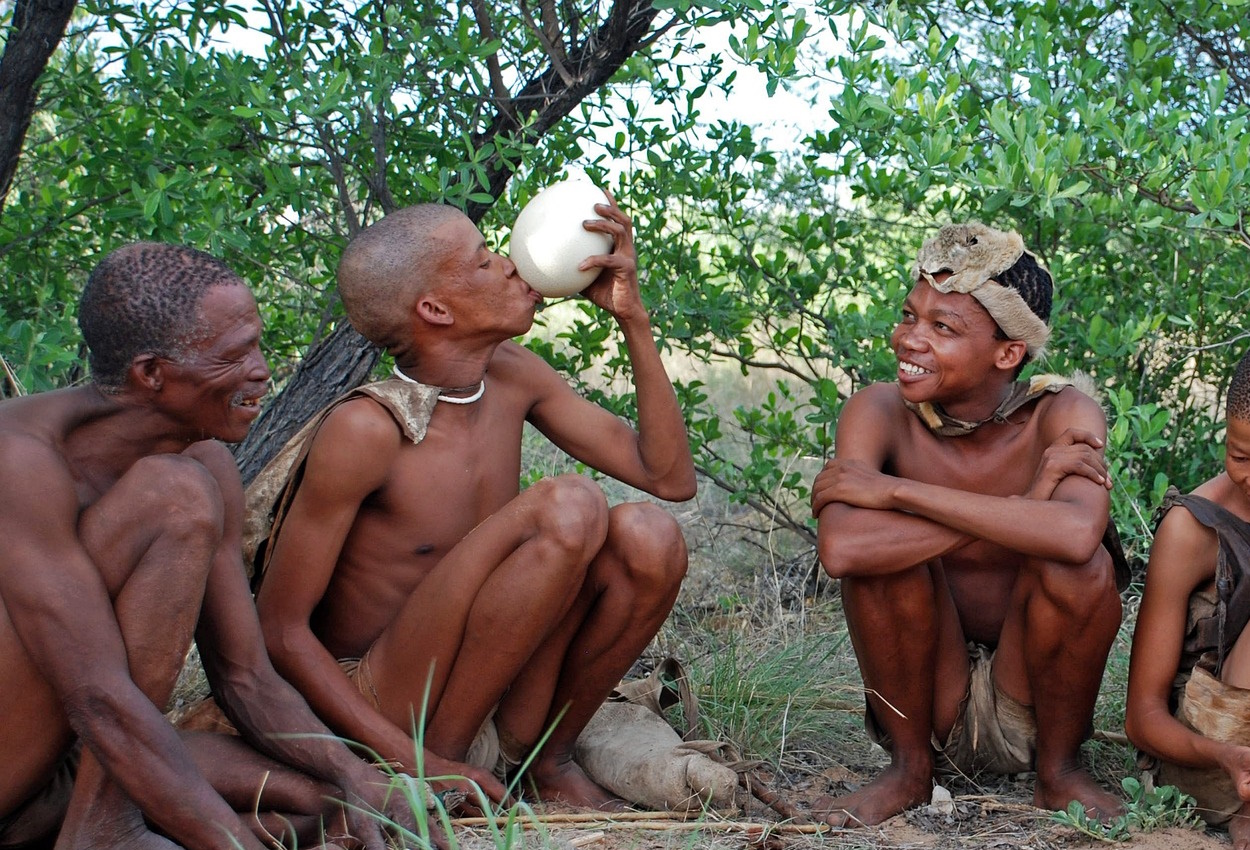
column 516, row 364
column 33, row 429
column 360, row 424
column 353, row 451
column 1222, row 491
column 1068, row 408
column 875, row 408
column 524, row 375
column 45, row 416
column 882, row 399
column 39, row 495
column 871, row 422
column 27, row 456
column 1183, row 551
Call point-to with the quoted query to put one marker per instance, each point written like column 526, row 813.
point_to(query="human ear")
column 433, row 312
column 147, row 371
column 1011, row 353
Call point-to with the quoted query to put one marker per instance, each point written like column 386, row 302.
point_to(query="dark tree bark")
column 37, row 28
column 344, row 359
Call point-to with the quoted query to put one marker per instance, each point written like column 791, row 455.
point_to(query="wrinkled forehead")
column 225, row 310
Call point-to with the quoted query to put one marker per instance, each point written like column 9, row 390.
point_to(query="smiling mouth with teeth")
column 911, row 368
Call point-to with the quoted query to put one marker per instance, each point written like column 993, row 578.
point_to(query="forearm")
column 272, row 715
column 1053, row 529
column 858, row 542
column 1157, row 732
column 319, row 693
column 130, row 745
column 662, row 443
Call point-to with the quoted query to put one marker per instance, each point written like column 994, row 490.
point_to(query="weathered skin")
column 122, row 516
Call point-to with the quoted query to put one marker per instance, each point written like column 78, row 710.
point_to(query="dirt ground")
column 992, row 816
column 975, row 821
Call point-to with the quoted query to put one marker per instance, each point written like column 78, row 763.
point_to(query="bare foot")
column 1055, row 794
column 566, row 782
column 883, row 798
column 1239, row 828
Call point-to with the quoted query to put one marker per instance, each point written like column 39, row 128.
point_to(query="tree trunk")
column 340, row 362
column 37, row 28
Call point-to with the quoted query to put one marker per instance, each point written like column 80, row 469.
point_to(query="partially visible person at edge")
column 412, row 578
column 1189, row 677
column 121, row 516
column 964, row 513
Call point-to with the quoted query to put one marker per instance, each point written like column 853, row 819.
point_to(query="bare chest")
column 1002, row 466
column 467, row 467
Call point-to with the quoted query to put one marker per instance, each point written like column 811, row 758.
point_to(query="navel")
column 424, row 550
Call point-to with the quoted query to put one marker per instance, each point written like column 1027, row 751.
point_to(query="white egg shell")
column 548, row 241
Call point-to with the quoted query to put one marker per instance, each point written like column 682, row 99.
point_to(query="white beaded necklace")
column 450, row 399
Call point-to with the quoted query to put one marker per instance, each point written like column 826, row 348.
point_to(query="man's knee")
column 1078, row 591
column 572, row 514
column 161, row 497
column 648, row 541
column 182, row 497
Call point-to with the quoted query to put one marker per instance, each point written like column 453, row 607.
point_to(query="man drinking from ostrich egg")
column 408, row 576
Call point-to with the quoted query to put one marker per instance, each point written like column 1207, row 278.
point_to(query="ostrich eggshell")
column 548, row 241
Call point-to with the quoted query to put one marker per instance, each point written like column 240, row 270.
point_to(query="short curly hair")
column 1237, row 402
column 386, row 267
column 144, row 298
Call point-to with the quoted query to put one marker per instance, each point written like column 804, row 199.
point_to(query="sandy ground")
column 980, row 819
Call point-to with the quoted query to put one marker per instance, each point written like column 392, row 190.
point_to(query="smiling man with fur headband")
column 964, row 512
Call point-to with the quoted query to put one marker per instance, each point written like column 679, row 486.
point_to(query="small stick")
column 572, row 817
column 607, row 822
column 768, row 797
column 588, row 838
column 1112, row 737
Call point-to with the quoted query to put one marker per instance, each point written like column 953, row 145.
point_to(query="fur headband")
column 975, row 255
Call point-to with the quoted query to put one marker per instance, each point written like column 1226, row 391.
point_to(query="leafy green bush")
column 1146, row 811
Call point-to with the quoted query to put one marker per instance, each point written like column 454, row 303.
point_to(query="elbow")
column 97, row 710
column 281, row 644
column 1132, row 729
column 682, row 491
column 678, row 486
column 1137, row 726
column 842, row 552
column 1081, row 547
column 1075, row 534
column 838, row 561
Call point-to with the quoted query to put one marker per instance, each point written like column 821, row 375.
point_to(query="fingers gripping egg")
column 548, row 241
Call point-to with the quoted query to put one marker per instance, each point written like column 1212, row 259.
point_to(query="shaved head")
column 387, row 267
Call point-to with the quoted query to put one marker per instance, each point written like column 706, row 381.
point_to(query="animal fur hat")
column 987, row 264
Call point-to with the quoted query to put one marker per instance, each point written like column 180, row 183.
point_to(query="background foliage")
column 1113, row 138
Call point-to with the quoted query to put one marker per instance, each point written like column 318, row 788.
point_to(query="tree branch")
column 38, row 26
